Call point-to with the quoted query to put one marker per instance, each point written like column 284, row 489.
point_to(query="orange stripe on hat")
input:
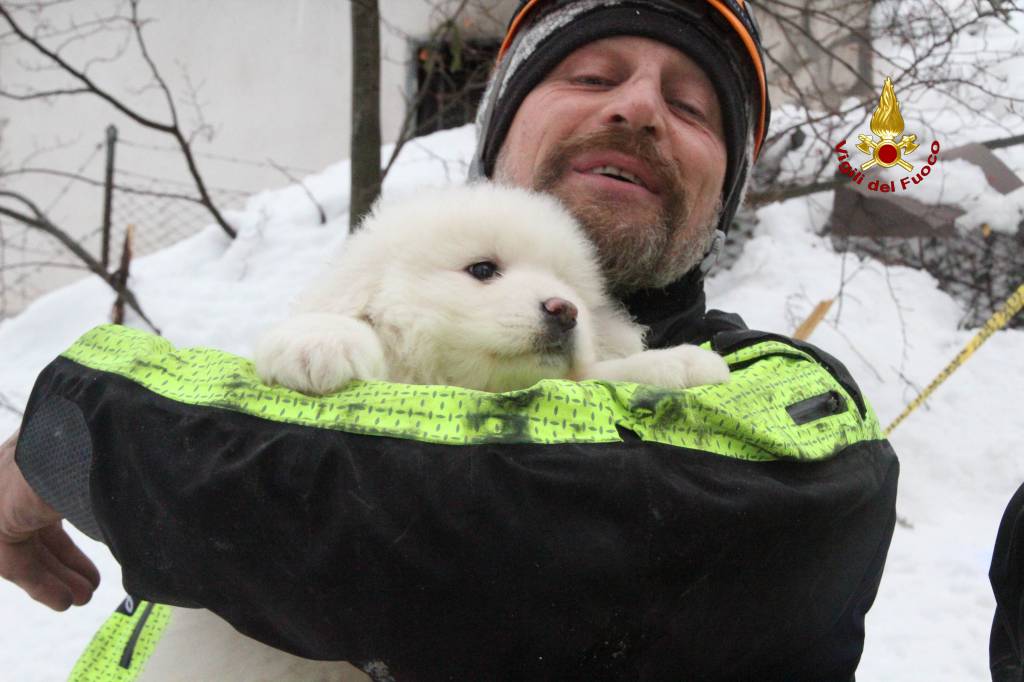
column 513, row 28
column 748, row 41
column 737, row 25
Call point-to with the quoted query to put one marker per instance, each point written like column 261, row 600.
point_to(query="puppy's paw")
column 686, row 366
column 676, row 367
column 319, row 353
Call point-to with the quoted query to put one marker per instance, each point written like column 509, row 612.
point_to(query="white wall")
column 273, row 81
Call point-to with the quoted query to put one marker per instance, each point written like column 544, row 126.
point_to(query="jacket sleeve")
column 518, row 552
column 1006, row 644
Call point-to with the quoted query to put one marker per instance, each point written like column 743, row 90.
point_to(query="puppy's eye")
column 484, row 270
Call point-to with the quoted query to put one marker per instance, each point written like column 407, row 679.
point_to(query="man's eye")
column 590, row 79
column 484, row 270
column 686, row 108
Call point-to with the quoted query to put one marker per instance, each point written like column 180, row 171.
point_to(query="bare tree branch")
column 173, row 128
column 408, row 129
column 76, row 177
column 44, row 94
column 284, row 171
column 81, row 77
column 39, row 221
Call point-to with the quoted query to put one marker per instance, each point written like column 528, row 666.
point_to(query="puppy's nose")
column 560, row 313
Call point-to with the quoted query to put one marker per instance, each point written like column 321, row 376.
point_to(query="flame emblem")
column 887, row 124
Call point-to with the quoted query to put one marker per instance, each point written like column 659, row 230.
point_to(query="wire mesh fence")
column 162, row 212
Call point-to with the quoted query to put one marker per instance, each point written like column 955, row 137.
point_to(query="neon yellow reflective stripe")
column 745, row 418
column 104, row 659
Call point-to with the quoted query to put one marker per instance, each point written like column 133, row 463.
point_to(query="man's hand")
column 35, row 552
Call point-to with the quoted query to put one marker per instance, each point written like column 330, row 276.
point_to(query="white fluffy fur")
column 399, row 305
column 198, row 646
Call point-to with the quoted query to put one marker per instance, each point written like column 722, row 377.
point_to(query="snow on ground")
column 959, row 453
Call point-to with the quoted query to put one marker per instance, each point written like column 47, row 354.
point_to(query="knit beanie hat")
column 720, row 36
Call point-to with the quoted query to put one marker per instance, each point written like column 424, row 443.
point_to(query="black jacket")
column 499, row 559
column 1006, row 645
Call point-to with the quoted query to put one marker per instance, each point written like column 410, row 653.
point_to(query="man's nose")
column 637, row 103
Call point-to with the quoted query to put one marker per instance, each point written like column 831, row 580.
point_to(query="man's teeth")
column 618, row 173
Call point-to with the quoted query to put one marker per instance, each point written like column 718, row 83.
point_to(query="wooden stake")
column 817, row 315
column 121, row 277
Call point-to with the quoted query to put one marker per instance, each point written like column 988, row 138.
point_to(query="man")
column 1006, row 644
column 748, row 546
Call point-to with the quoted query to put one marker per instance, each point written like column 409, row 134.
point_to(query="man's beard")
column 639, row 246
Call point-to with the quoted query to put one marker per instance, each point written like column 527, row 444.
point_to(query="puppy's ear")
column 348, row 284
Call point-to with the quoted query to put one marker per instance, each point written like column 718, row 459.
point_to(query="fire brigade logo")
column 888, row 147
column 887, row 124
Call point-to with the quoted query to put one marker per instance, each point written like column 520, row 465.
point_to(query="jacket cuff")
column 54, row 454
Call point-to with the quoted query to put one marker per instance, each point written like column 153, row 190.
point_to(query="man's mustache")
column 627, row 141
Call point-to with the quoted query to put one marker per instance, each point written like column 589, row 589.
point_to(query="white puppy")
column 483, row 287
column 479, row 286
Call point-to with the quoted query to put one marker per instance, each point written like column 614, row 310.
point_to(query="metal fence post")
column 108, row 195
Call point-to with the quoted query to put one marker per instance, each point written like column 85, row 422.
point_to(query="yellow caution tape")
column 998, row 320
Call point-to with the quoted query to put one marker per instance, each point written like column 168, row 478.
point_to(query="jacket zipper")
column 816, row 407
column 129, row 647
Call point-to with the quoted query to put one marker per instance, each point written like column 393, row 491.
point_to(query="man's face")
column 627, row 132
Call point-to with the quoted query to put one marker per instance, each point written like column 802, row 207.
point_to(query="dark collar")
column 678, row 313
